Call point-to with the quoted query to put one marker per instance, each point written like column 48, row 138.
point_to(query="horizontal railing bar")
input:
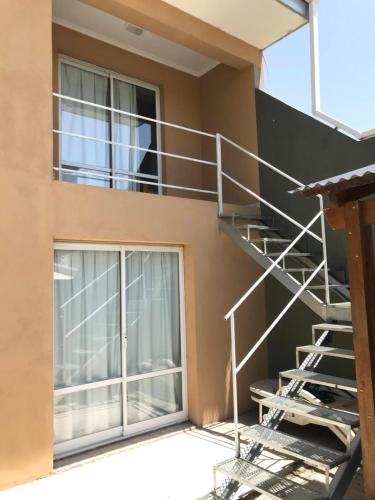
column 290, row 219
column 127, row 113
column 255, row 157
column 90, row 166
column 274, row 323
column 136, row 181
column 137, row 148
column 274, row 264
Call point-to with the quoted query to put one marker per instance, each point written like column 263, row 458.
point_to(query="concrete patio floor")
column 170, row 464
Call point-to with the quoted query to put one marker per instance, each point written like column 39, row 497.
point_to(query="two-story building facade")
column 115, row 277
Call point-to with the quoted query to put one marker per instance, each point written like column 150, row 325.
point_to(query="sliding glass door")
column 115, row 154
column 119, row 343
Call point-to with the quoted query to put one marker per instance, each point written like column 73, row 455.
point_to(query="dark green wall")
column 308, row 150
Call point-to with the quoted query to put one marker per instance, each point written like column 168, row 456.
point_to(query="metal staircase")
column 308, row 278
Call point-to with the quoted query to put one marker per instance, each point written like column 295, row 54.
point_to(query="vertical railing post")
column 219, row 175
column 325, row 257
column 234, row 382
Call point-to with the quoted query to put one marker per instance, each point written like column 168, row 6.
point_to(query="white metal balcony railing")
column 131, row 177
column 221, row 177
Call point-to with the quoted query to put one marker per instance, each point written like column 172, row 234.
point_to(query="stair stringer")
column 327, row 313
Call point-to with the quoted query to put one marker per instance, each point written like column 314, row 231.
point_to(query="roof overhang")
column 259, row 23
column 213, row 28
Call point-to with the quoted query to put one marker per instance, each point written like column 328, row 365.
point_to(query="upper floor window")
column 106, row 158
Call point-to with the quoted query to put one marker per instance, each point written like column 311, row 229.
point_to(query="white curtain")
column 87, row 344
column 153, row 333
column 125, row 131
column 85, row 120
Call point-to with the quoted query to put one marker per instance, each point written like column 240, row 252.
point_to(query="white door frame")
column 78, row 445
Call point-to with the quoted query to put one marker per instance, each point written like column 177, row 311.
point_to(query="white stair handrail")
column 257, row 158
column 274, row 323
column 277, row 210
column 268, row 271
column 221, row 174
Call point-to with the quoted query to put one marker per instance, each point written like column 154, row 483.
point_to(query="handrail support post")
column 325, row 256
column 219, row 175
column 234, row 384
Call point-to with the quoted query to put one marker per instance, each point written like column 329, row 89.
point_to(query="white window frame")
column 133, row 81
column 83, row 443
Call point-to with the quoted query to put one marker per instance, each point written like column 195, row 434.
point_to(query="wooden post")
column 361, row 266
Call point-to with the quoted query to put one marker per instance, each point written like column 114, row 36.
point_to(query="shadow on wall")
column 308, row 150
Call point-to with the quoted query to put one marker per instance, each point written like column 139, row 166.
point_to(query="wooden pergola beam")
column 361, row 266
column 355, row 215
column 336, row 215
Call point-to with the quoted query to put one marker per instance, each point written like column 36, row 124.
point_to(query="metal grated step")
column 250, row 216
column 301, row 269
column 321, row 379
column 211, row 496
column 312, row 453
column 322, row 287
column 257, row 227
column 327, row 351
column 264, row 481
column 270, row 240
column 290, row 254
column 333, row 327
column 316, row 414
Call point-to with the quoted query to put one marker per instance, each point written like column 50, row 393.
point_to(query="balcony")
column 137, row 106
column 105, row 146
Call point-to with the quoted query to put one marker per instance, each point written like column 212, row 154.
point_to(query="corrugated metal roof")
column 342, row 181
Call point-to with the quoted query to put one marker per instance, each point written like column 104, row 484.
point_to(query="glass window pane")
column 154, row 397
column 152, row 312
column 86, row 412
column 87, row 345
column 135, row 132
column 85, row 120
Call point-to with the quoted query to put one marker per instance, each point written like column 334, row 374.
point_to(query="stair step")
column 264, row 481
column 322, row 287
column 301, row 269
column 321, row 379
column 333, row 327
column 270, row 240
column 250, row 216
column 289, row 254
column 312, row 453
column 257, row 227
column 327, row 351
column 316, row 414
column 211, row 496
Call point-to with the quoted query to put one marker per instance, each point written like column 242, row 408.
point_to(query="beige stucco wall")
column 216, row 275
column 35, row 211
column 26, row 382
column 228, row 107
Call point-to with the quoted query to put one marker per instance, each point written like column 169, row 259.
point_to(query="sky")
column 347, row 64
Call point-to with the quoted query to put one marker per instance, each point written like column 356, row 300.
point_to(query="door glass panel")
column 135, row 132
column 87, row 346
column 84, row 155
column 154, row 397
column 152, row 312
column 86, row 412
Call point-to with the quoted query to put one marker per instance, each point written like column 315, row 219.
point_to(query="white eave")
column 257, row 22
